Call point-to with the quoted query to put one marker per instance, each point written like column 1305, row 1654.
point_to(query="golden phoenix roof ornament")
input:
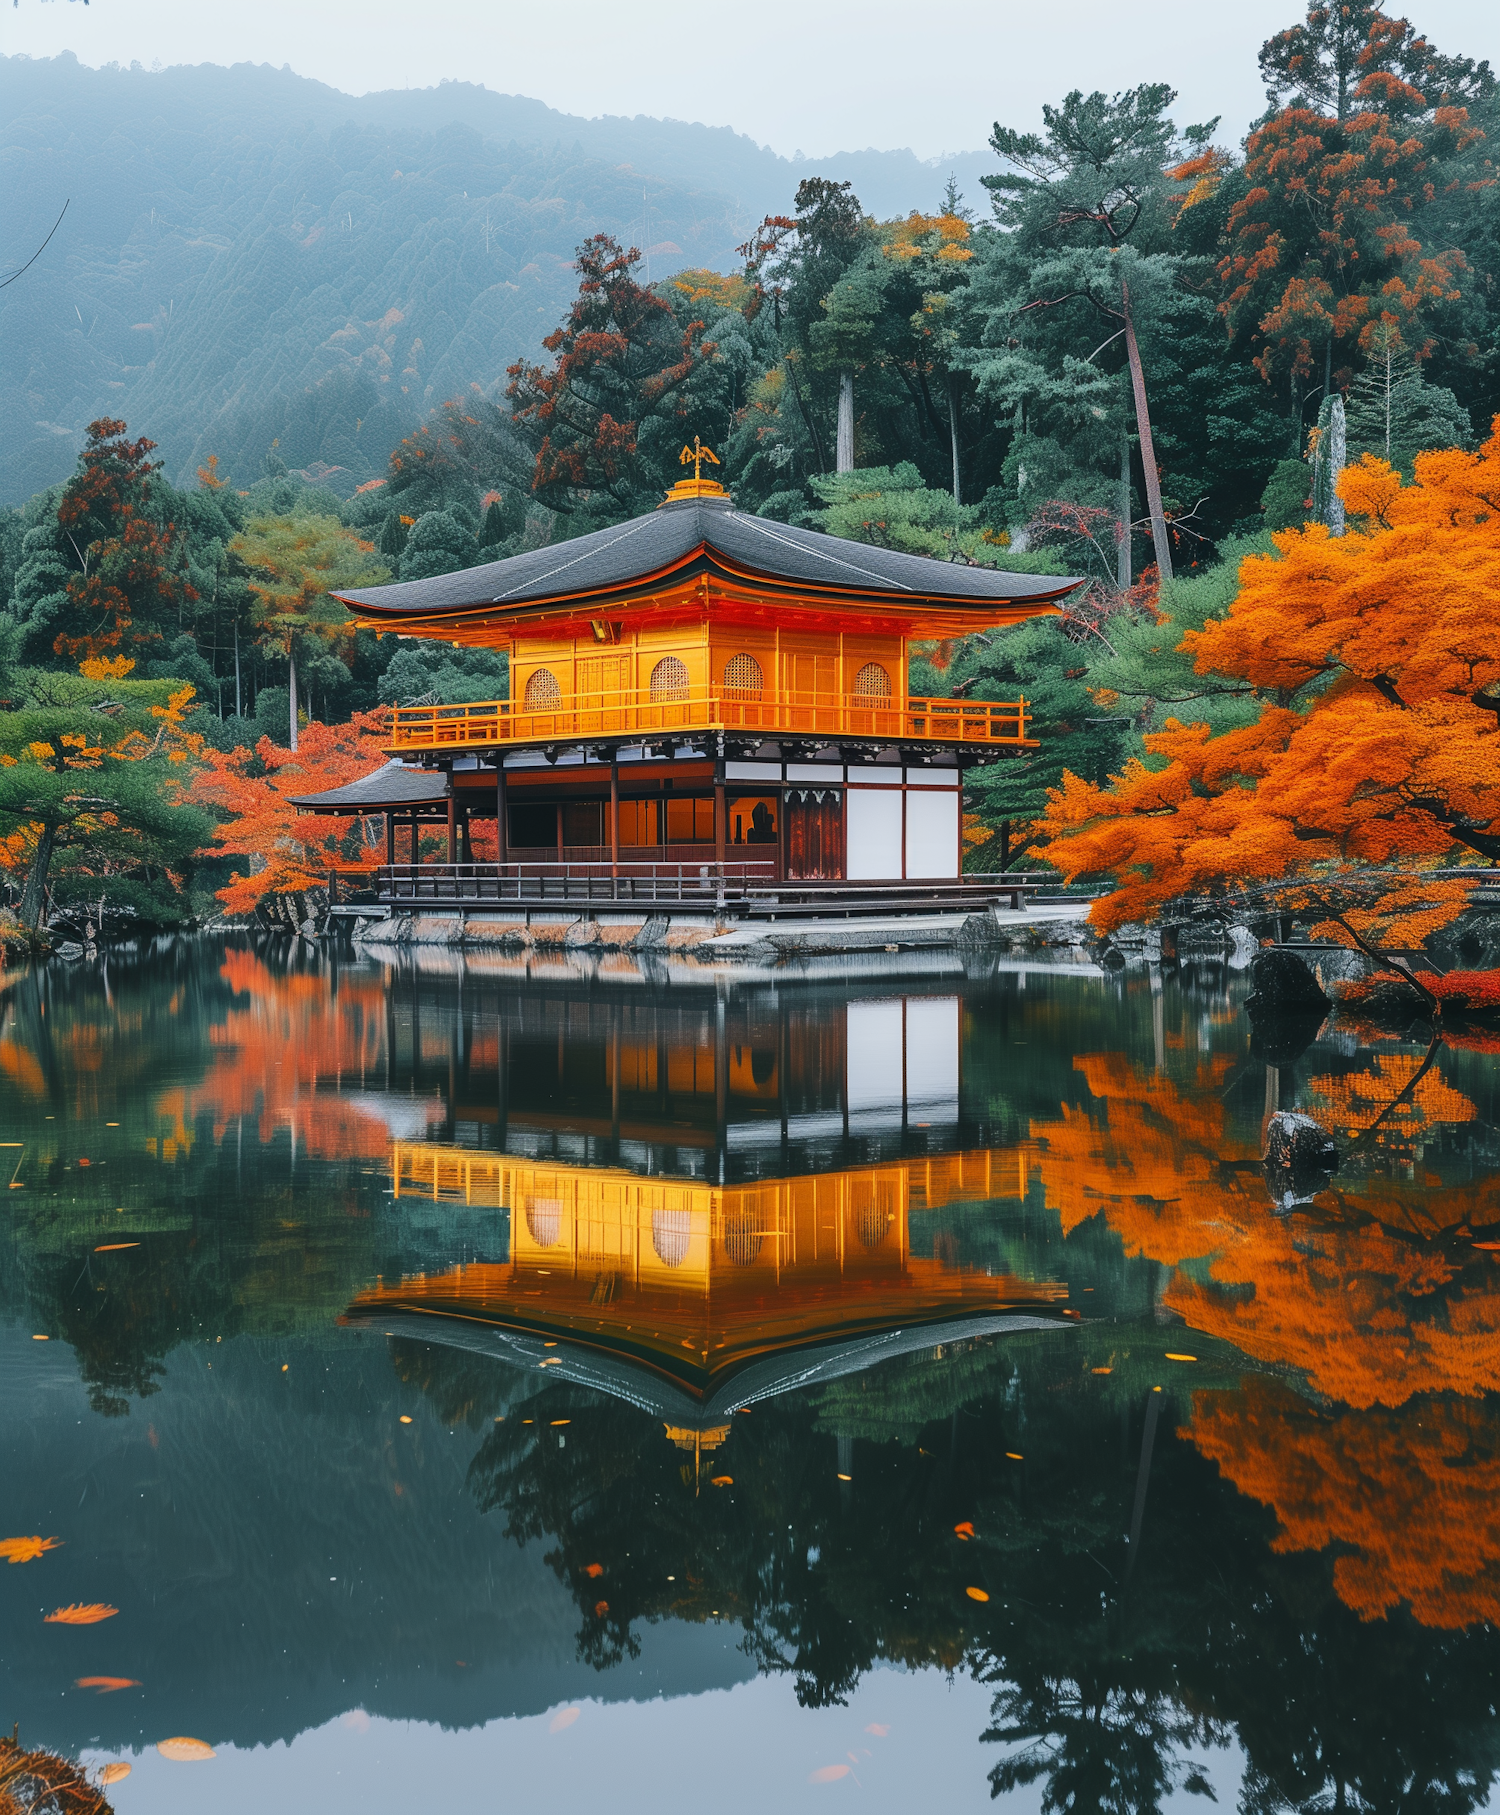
column 697, row 486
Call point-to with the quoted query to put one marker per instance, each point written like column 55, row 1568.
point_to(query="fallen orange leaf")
column 600, row 1609
column 184, row 1751
column 723, row 1480
column 111, row 1247
column 965, row 1530
column 829, row 1773
column 593, row 1569
column 105, row 1684
column 976, row 1594
column 1172, row 1357
column 1101, row 1370
column 81, row 1615
column 26, row 1550
column 112, row 1773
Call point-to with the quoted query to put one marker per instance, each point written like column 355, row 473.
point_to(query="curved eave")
column 703, row 562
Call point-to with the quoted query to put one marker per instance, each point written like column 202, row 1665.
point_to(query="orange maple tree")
column 288, row 851
column 1376, row 660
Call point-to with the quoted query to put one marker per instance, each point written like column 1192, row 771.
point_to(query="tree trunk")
column 239, row 709
column 1338, row 451
column 34, row 896
column 1123, row 553
column 953, row 432
column 844, row 454
column 1159, row 540
column 292, row 672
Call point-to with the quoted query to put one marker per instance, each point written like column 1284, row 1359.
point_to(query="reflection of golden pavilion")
column 695, row 1286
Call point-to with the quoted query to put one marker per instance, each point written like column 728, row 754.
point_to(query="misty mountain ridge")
column 251, row 259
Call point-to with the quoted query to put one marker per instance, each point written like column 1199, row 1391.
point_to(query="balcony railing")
column 489, row 723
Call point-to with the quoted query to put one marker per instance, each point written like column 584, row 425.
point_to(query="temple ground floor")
column 776, row 820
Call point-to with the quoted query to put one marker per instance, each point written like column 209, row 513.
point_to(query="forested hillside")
column 252, row 258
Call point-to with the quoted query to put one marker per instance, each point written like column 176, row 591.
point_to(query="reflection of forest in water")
column 1315, row 1563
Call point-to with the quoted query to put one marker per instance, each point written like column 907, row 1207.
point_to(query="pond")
column 453, row 1381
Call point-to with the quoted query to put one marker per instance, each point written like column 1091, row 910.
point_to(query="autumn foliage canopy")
column 288, row 851
column 1375, row 657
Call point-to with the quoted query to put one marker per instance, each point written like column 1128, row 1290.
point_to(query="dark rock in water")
column 1282, row 981
column 1281, row 1036
column 1300, row 1158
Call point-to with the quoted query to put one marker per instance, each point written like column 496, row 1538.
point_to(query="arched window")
column 742, row 675
column 872, row 682
column 742, row 1236
column 670, row 1230
column 542, row 691
column 669, row 679
column 544, row 1220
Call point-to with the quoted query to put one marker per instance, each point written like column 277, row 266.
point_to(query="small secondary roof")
column 682, row 538
column 390, row 786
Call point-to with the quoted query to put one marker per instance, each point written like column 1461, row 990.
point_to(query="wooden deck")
column 495, row 724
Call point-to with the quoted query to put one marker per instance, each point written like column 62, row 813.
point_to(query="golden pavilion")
column 700, row 686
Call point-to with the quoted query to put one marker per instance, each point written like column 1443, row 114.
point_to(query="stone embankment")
column 721, row 941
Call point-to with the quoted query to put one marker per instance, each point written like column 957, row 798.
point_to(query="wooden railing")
column 708, row 884
column 489, row 723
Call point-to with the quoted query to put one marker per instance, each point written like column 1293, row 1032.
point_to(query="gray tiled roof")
column 391, row 785
column 612, row 558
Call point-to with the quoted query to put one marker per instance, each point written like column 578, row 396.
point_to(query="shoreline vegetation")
column 1251, row 393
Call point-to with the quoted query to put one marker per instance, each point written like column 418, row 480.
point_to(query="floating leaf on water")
column 877, row 1729
column 594, row 1570
column 26, row 1550
column 112, row 1773
column 977, row 1594
column 106, row 1685
column 184, row 1751
column 113, row 1247
column 1101, row 1370
column 1014, row 1456
column 81, row 1614
column 600, row 1609
column 41, row 1339
column 1172, row 1357
column 405, row 1419
column 829, row 1773
column 964, row 1530
column 723, row 1480
column 564, row 1717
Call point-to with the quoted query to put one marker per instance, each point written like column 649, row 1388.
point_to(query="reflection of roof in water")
column 671, row 1286
column 631, row 1379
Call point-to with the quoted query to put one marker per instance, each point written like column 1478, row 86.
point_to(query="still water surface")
column 473, row 1384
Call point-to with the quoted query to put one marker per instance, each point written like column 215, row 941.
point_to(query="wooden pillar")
column 415, row 835
column 721, row 815
column 614, row 813
column 452, row 825
column 501, row 828
column 390, row 840
column 559, row 812
column 465, row 845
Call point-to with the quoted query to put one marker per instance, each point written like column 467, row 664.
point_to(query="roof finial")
column 697, row 486
column 697, row 453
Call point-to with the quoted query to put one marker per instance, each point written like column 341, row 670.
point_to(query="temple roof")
column 391, row 785
column 700, row 535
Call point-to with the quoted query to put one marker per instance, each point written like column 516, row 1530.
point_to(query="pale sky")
column 817, row 77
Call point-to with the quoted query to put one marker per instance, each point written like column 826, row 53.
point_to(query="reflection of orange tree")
column 1370, row 1312
column 1379, row 1299
column 291, row 1035
column 1411, row 1495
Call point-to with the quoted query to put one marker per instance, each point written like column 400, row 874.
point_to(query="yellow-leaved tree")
column 295, row 562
